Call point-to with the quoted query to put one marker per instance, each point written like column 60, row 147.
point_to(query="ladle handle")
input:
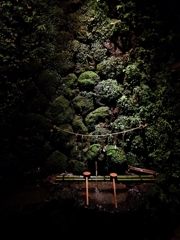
column 115, row 197
column 87, row 197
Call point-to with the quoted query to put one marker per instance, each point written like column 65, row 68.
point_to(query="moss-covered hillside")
column 74, row 73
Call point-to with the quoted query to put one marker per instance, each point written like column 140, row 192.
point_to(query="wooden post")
column 113, row 176
column 87, row 174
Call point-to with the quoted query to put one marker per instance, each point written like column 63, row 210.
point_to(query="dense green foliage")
column 92, row 67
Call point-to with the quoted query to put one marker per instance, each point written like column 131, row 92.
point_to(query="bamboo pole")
column 142, row 170
column 113, row 176
column 120, row 178
column 87, row 174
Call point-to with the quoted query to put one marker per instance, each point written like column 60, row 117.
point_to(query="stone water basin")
column 101, row 194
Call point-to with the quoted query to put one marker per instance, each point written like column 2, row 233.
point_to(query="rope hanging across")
column 100, row 135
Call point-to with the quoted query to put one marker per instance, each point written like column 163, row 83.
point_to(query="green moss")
column 89, row 75
column 60, row 110
column 67, row 92
column 79, row 125
column 75, row 45
column 115, row 159
column 93, row 152
column 56, row 162
column 59, row 105
column 86, row 84
column 115, row 154
column 75, row 167
column 83, row 105
column 87, row 80
column 98, row 115
column 70, row 80
column 68, row 86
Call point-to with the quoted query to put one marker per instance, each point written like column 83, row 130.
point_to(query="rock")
column 116, row 159
column 98, row 115
column 70, row 80
column 87, row 80
column 83, row 105
column 75, row 166
column 63, row 61
column 93, row 152
column 79, row 125
column 60, row 111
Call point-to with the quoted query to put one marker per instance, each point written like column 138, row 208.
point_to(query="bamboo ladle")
column 86, row 175
column 114, row 176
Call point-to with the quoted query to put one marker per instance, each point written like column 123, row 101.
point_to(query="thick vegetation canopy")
column 74, row 73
